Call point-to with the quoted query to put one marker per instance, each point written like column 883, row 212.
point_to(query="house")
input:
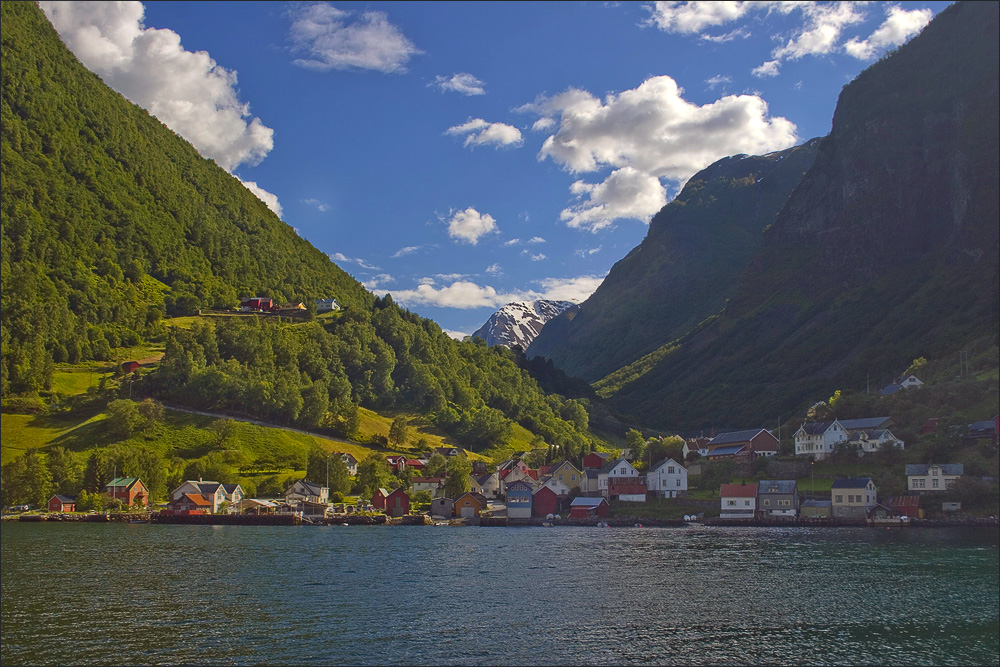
column 620, row 479
column 234, row 495
column 59, row 503
column 378, row 498
column 443, row 507
column 545, row 502
column 588, row 482
column 815, row 509
column 903, row 382
column 519, row 496
column 567, row 473
column 190, row 503
column 397, row 463
column 130, row 490
column 487, row 485
column 760, row 441
column 213, row 493
column 557, row 486
column 667, row 479
column 695, row 446
column 777, row 498
column 326, row 305
column 430, row 484
column 351, row 463
column 479, row 467
column 295, row 307
column 304, row 491
column 820, row 439
column 588, row 508
column 984, row 430
column 883, row 514
column 908, row 506
column 873, row 440
column 922, row 477
column 130, row 367
column 258, row 304
column 852, row 498
column 416, row 464
column 735, row 452
column 737, row 501
column 595, row 460
column 518, row 474
column 397, row 503
column 469, row 505
column 448, row 451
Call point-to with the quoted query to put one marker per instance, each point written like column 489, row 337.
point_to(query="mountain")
column 110, row 219
column 683, row 271
column 518, row 323
column 886, row 251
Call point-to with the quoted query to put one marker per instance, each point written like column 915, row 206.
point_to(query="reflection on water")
column 151, row 594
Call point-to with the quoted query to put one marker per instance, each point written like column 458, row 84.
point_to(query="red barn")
column 130, row 367
column 588, row 508
column 545, row 502
column 59, row 503
column 595, row 460
column 397, row 503
column 259, row 303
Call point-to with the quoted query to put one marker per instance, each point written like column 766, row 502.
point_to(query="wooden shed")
column 397, row 503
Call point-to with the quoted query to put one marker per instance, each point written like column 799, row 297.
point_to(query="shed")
column 378, row 498
column 130, row 366
column 588, row 508
column 545, row 502
column 58, row 503
column 443, row 507
column 397, row 503
column 469, row 505
column 816, row 509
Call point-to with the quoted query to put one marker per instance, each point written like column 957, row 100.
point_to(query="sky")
column 463, row 155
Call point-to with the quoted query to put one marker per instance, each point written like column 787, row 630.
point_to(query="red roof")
column 415, row 463
column 532, row 472
column 425, row 480
column 738, row 491
column 904, row 501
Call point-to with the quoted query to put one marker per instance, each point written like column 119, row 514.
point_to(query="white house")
column 933, row 476
column 326, row 305
column 486, row 485
column 699, row 445
column 559, row 487
column 213, row 492
column 738, row 501
column 431, row 484
column 304, row 491
column 873, row 440
column 820, row 439
column 351, row 463
column 667, row 479
column 619, row 478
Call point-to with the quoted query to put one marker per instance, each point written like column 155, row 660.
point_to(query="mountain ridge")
column 518, row 323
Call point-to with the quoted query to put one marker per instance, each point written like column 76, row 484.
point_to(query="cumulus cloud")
column 331, row 38
column 470, row 225
column 457, row 335
column 494, row 269
column 341, row 257
column 821, row 32
column 463, row 83
column 466, row 294
column 378, row 282
column 693, row 17
column 320, row 206
column 647, row 134
column 188, row 92
column 479, row 133
column 543, row 124
column 511, row 242
column 717, row 79
column 536, row 239
column 898, row 27
column 536, row 258
column 270, row 199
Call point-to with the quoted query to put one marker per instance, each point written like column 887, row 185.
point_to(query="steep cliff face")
column 887, row 249
column 518, row 323
column 683, row 271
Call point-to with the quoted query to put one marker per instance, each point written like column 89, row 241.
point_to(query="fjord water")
column 152, row 594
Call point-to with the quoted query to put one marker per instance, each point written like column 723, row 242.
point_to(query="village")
column 513, row 492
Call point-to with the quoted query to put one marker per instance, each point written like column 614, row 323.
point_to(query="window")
column 746, row 503
column 678, row 482
column 935, row 483
column 767, row 503
column 670, row 470
column 934, row 471
column 839, row 499
column 948, row 483
column 731, row 503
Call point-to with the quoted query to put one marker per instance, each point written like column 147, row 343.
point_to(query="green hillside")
column 110, row 220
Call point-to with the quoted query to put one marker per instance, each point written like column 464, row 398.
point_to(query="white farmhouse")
column 667, row 479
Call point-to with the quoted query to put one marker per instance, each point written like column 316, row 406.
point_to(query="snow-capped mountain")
column 518, row 323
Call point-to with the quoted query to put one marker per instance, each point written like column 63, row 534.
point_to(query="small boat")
column 547, row 524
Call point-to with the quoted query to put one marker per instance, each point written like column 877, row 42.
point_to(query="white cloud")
column 270, row 199
column 536, row 258
column 646, row 134
column 188, row 92
column 494, row 269
column 626, row 193
column 536, row 239
column 769, row 68
column 899, row 26
column 470, row 225
column 507, row 244
column 587, row 252
column 479, row 133
column 332, row 39
column 450, row 277
column 465, row 294
column 463, row 83
column 726, row 37
column 693, row 17
column 457, row 335
column 408, row 250
column 543, row 124
column 320, row 206
column 341, row 257
column 821, row 32
column 378, row 282
column 717, row 79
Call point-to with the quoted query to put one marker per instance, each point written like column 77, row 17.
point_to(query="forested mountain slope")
column 683, row 271
column 885, row 252
column 110, row 219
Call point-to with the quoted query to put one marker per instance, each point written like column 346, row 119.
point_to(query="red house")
column 588, row 508
column 397, row 503
column 130, row 367
column 258, row 303
column 378, row 498
column 59, row 503
column 545, row 502
column 129, row 490
column 595, row 460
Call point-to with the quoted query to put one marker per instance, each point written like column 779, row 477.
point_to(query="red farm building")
column 59, row 503
column 397, row 503
column 545, row 502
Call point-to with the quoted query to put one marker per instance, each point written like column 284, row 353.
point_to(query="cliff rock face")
column 518, row 323
column 683, row 271
column 887, row 250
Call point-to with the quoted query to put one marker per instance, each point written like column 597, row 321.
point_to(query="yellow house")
column 568, row 474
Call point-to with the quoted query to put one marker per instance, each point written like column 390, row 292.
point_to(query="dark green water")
column 149, row 594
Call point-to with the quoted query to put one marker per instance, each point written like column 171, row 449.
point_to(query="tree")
column 340, row 477
column 436, row 465
column 123, row 418
column 374, row 473
column 67, row 474
column 917, row 366
column 457, row 481
column 398, row 431
column 635, row 442
column 151, row 413
column 97, row 473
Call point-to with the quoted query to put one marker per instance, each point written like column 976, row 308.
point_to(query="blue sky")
column 462, row 155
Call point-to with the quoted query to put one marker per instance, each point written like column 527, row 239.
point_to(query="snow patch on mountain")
column 520, row 322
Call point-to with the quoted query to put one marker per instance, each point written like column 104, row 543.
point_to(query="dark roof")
column 312, row 488
column 230, row 488
column 816, row 428
column 611, row 465
column 585, row 501
column 64, row 499
column 521, row 482
column 946, row 468
column 780, row 486
column 727, row 450
column 348, row 458
column 816, row 503
column 591, row 473
column 870, row 422
column 850, row 482
column 735, row 436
